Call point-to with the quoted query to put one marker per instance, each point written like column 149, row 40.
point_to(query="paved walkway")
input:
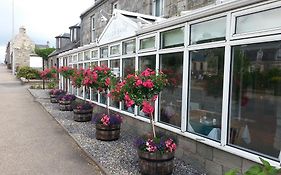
column 31, row 141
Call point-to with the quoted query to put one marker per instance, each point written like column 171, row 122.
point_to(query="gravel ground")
column 115, row 157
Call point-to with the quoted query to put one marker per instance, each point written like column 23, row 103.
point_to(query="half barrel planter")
column 65, row 105
column 156, row 163
column 107, row 133
column 82, row 115
column 53, row 98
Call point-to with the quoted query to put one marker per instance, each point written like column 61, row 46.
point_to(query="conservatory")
column 223, row 66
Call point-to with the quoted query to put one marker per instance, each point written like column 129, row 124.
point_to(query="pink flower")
column 129, row 102
column 170, row 145
column 148, row 83
column 150, row 146
column 107, row 81
column 105, row 120
column 147, row 108
column 146, row 72
column 154, row 97
column 138, row 83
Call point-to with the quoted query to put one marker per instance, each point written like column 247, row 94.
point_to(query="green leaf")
column 265, row 163
column 254, row 170
column 231, row 172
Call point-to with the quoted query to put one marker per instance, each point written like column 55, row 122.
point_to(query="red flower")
column 138, row 83
column 107, row 81
column 147, row 108
column 146, row 72
column 170, row 145
column 105, row 120
column 148, row 84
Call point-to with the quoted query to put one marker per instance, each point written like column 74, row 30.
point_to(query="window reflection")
column 128, row 67
column 208, row 31
column 205, row 105
column 252, row 22
column 255, row 113
column 170, row 98
column 146, row 62
column 115, row 68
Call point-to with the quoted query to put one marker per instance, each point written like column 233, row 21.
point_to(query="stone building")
column 224, row 105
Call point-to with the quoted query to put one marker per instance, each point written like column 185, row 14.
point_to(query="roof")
column 96, row 4
column 63, row 35
column 67, row 47
column 75, row 26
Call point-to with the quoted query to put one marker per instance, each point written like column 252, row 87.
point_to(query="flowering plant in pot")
column 77, row 77
column 54, row 93
column 48, row 74
column 66, row 71
column 65, row 102
column 82, row 111
column 156, row 152
column 102, row 79
column 107, row 126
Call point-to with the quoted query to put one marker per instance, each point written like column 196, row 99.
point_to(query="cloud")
column 43, row 19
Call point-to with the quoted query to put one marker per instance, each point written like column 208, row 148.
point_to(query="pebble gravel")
column 115, row 157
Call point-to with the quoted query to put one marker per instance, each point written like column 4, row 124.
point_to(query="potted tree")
column 156, row 152
column 107, row 125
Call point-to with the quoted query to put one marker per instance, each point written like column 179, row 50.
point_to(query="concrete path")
column 31, row 141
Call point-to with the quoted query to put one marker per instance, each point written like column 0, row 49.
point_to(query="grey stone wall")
column 172, row 8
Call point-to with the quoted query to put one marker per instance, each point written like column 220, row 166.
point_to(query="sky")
column 42, row 19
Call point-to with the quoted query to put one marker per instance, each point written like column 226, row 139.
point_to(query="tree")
column 44, row 52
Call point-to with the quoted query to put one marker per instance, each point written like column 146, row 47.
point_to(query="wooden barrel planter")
column 107, row 133
column 65, row 105
column 156, row 163
column 82, row 115
column 53, row 98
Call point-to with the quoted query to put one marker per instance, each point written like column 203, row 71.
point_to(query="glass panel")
column 103, row 96
column 208, row 31
column 147, row 43
column 146, row 62
column 94, row 95
column 94, row 54
column 75, row 58
column 86, row 55
column 80, row 90
column 115, row 68
column 128, row 67
column 104, row 52
column 129, row 47
column 104, row 63
column 86, row 65
column 255, row 112
column 70, row 59
column 170, row 98
column 80, row 57
column 206, row 89
column 87, row 93
column 172, row 38
column 115, row 50
column 252, row 22
column 93, row 64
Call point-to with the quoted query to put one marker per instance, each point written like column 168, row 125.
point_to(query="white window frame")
column 115, row 5
column 169, row 29
column 93, row 29
column 249, row 11
column 113, row 45
column 139, row 50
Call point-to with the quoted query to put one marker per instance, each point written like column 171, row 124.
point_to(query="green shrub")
column 264, row 169
column 28, row 73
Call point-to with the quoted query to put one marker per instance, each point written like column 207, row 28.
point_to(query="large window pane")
column 128, row 67
column 255, row 109
column 115, row 68
column 80, row 56
column 206, row 87
column 94, row 54
column 129, row 47
column 264, row 20
column 208, row 31
column 172, row 38
column 170, row 98
column 146, row 62
column 86, row 55
column 104, row 52
column 147, row 43
column 115, row 50
column 103, row 96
